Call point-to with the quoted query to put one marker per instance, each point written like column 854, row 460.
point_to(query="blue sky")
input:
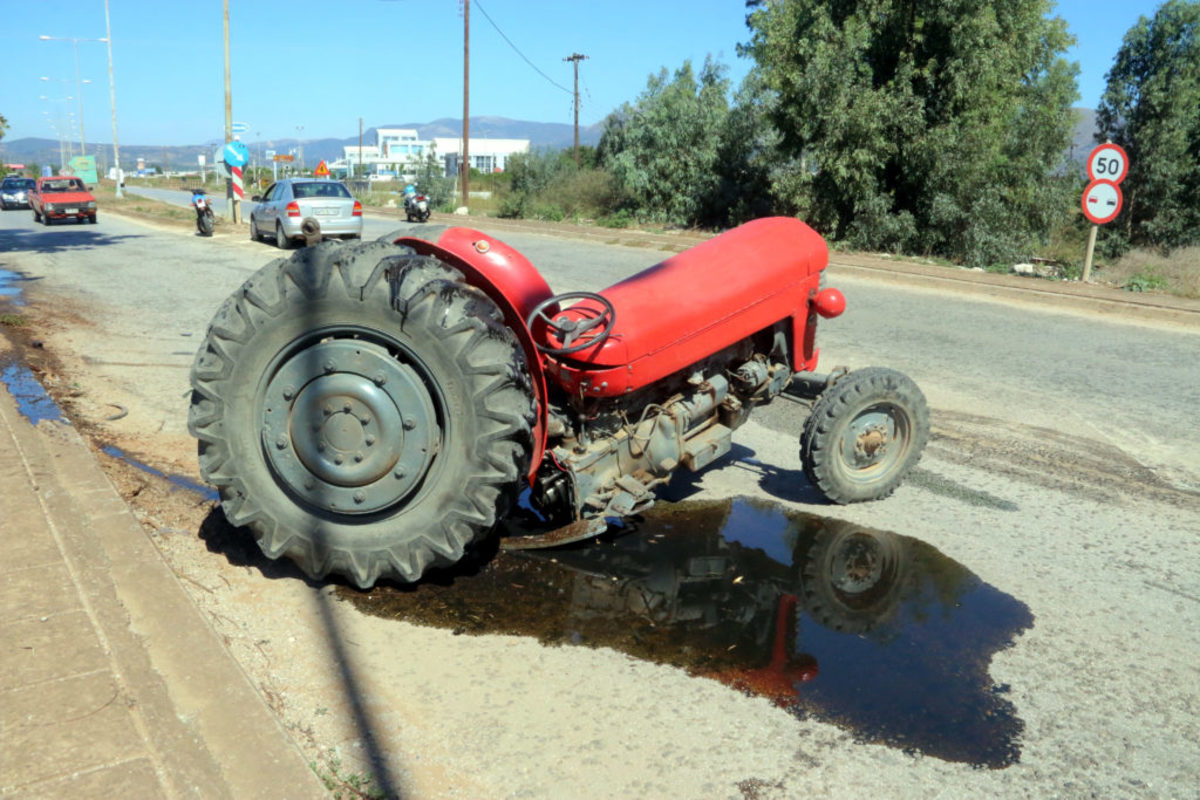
column 309, row 69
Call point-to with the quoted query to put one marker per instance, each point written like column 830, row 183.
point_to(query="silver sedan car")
column 304, row 209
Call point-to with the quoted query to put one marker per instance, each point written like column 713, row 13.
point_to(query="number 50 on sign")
column 1108, row 162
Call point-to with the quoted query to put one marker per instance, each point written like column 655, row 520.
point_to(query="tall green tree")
column 662, row 151
column 921, row 125
column 1151, row 107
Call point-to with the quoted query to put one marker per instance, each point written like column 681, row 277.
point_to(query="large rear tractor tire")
column 864, row 435
column 363, row 411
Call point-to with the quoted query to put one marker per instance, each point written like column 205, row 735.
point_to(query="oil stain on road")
column 878, row 633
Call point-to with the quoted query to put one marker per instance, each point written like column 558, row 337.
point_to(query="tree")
column 920, row 125
column 1151, row 107
column 662, row 151
column 432, row 180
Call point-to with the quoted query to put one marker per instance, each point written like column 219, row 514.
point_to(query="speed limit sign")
column 1108, row 162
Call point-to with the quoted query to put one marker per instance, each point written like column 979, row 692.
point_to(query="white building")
column 486, row 155
column 398, row 152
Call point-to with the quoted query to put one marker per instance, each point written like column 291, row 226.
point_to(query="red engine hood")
column 693, row 304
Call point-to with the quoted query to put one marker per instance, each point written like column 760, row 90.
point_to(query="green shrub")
column 1148, row 280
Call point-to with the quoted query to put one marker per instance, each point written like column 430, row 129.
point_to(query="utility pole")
column 359, row 174
column 576, row 58
column 230, row 208
column 465, row 166
column 112, row 99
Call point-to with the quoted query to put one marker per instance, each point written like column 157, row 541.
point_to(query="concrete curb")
column 112, row 683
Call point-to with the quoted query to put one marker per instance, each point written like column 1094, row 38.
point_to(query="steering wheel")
column 575, row 334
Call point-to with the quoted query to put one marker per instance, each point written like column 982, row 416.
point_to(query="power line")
column 517, row 50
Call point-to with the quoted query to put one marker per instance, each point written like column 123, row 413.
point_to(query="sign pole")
column 1107, row 166
column 1091, row 248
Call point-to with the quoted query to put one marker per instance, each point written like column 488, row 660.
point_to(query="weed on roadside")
column 345, row 786
column 13, row 321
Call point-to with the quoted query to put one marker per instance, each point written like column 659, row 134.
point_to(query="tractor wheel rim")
column 348, row 427
column 874, row 441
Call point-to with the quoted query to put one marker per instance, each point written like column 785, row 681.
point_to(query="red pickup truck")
column 62, row 197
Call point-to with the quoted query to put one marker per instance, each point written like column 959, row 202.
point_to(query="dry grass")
column 1177, row 273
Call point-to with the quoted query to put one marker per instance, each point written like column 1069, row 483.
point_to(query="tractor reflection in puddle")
column 876, row 632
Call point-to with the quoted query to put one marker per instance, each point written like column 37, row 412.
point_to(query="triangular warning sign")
column 322, row 170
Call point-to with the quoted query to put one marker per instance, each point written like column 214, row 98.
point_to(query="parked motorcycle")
column 205, row 221
column 416, row 206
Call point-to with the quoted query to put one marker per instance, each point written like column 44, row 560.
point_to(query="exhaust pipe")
column 311, row 230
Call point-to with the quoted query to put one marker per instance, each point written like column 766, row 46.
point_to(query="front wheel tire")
column 363, row 411
column 865, row 433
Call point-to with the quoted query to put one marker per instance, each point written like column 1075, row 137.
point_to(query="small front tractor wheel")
column 363, row 411
column 853, row 578
column 864, row 435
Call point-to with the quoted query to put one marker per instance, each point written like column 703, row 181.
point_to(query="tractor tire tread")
column 819, row 443
column 428, row 296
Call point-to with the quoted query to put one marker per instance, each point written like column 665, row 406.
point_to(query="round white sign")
column 1108, row 162
column 1101, row 201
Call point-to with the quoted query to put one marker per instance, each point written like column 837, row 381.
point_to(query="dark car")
column 14, row 192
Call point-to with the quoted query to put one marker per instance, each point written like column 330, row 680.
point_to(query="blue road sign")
column 236, row 154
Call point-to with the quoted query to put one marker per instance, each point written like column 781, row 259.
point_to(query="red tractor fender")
column 513, row 284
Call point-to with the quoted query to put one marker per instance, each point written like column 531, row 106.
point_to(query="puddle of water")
column 32, row 401
column 175, row 480
column 8, row 289
column 876, row 632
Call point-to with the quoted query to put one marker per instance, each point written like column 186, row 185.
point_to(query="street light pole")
column 112, row 99
column 75, row 40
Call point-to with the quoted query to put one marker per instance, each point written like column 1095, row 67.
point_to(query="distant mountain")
column 540, row 134
column 1083, row 140
column 556, row 135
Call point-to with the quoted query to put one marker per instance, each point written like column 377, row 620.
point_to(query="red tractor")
column 373, row 410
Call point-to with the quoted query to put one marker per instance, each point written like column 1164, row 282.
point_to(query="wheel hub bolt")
column 365, row 419
column 409, row 424
column 379, row 378
column 338, row 459
column 289, row 392
column 370, row 440
column 347, row 407
column 328, row 409
column 281, row 442
column 360, row 496
column 358, row 456
column 399, row 474
column 328, row 366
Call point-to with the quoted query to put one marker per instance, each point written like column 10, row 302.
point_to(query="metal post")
column 231, row 205
column 79, row 98
column 465, row 166
column 1091, row 247
column 112, row 99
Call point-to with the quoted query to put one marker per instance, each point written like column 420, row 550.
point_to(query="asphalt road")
column 1063, row 473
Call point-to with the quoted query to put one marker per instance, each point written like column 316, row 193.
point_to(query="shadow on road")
column 237, row 544
column 63, row 237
